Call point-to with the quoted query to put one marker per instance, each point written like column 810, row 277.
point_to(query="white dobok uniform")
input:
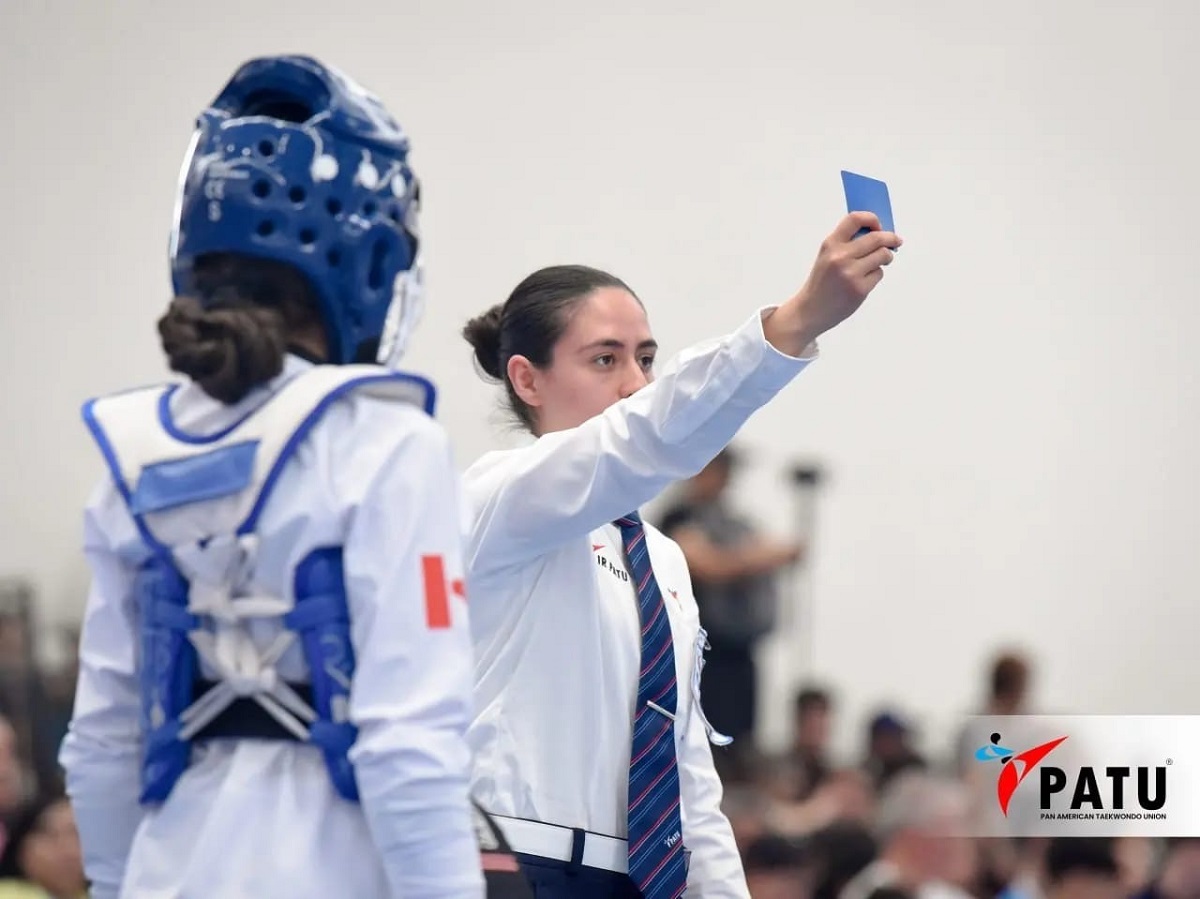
column 322, row 456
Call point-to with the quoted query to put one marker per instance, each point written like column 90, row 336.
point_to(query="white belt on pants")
column 553, row 841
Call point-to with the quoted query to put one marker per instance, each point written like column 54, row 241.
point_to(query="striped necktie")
column 657, row 861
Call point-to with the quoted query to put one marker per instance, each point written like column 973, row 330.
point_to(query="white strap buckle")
column 217, row 570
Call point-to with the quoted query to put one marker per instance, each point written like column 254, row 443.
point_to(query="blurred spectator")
column 1082, row 868
column 1027, row 864
column 19, row 677
column 806, row 764
column 922, row 829
column 34, row 700
column 852, row 793
column 1136, row 857
column 12, row 778
column 1008, row 684
column 844, row 796
column 42, row 858
column 889, row 749
column 1179, row 874
column 776, row 869
column 742, row 764
column 1028, row 875
column 997, row 864
column 1006, row 693
column 733, row 570
column 837, row 854
column 54, row 703
column 748, row 810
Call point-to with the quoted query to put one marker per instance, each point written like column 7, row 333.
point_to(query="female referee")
column 275, row 668
column 591, row 748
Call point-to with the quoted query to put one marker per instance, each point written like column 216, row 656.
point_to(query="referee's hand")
column 845, row 271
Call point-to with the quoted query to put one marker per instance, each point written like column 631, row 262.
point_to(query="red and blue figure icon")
column 1015, row 767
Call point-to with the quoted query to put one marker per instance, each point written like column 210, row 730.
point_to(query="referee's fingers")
column 875, row 260
column 862, row 247
column 853, row 223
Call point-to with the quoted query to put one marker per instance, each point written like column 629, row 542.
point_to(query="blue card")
column 865, row 194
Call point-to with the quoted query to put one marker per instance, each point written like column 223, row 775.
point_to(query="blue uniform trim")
column 168, row 423
column 430, row 394
column 217, row 473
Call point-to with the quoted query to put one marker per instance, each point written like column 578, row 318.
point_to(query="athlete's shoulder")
column 367, row 416
column 155, row 388
column 377, row 381
column 366, row 432
column 131, row 407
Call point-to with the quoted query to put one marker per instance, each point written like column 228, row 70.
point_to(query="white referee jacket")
column 554, row 612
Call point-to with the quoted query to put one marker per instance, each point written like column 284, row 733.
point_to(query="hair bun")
column 225, row 350
column 483, row 333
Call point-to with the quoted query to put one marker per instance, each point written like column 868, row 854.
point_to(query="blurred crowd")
column 39, row 848
column 893, row 824
column 890, row 822
column 894, row 821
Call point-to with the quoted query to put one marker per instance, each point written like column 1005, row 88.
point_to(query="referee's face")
column 605, row 354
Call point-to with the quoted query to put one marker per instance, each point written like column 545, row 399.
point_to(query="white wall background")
column 1012, row 422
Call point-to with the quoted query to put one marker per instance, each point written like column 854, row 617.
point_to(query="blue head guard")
column 297, row 163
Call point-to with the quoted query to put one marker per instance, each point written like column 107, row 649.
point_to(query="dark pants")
column 562, row 880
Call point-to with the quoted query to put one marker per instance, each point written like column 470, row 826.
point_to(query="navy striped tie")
column 656, row 855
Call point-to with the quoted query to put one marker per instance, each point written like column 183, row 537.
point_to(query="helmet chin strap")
column 404, row 312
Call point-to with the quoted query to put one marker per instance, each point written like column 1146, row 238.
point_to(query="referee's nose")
column 635, row 377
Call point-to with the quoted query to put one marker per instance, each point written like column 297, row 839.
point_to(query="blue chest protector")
column 196, row 503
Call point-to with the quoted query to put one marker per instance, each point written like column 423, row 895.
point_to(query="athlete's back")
column 262, row 817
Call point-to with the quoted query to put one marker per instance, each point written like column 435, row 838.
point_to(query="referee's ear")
column 525, row 380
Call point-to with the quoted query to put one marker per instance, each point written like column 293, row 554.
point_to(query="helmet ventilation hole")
column 375, row 273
